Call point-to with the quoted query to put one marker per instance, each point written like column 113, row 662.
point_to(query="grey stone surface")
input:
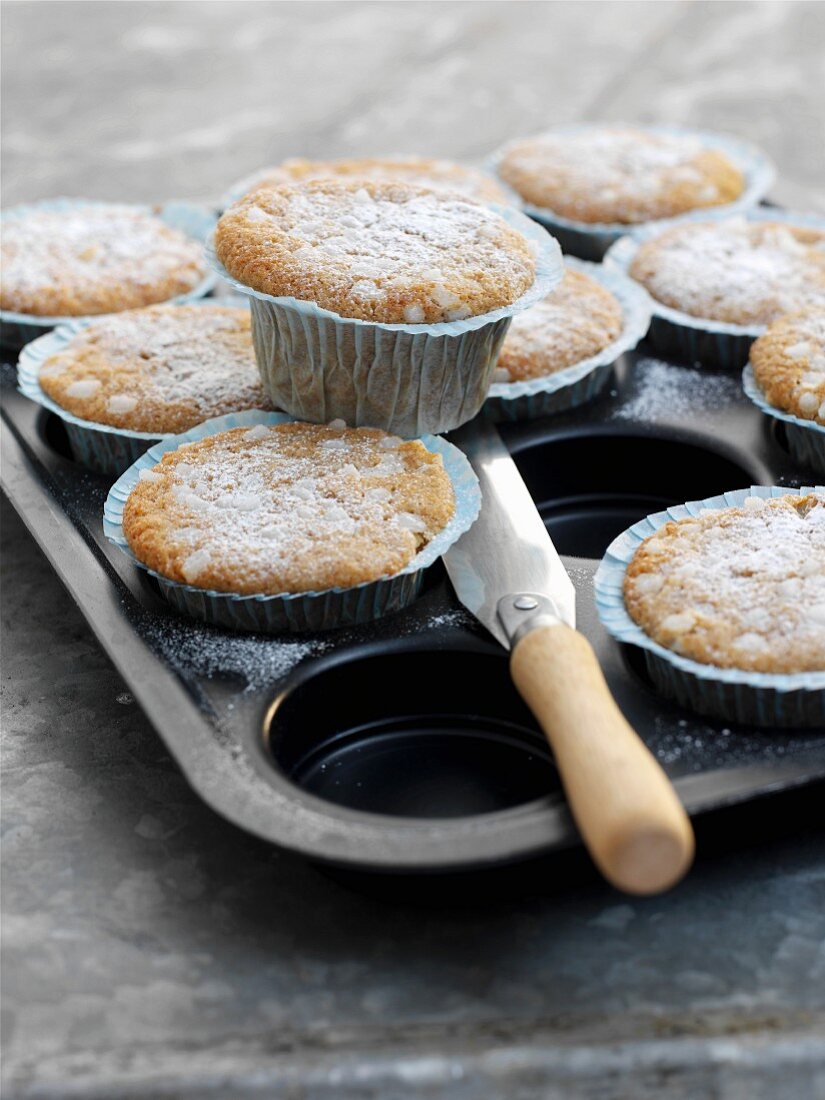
column 150, row 949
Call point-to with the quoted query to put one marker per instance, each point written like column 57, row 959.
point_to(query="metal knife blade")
column 507, row 550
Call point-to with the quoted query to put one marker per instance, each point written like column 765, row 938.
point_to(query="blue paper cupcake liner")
column 688, row 339
column 583, row 381
column 591, row 240
column 99, row 447
column 736, row 695
column 17, row 329
column 806, row 438
column 407, row 379
column 305, row 611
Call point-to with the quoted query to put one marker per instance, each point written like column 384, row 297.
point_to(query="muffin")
column 577, row 320
column 384, row 252
column 788, row 364
column 380, row 304
column 287, row 508
column 618, row 174
column 161, row 370
column 737, row 588
column 92, row 258
column 441, row 175
column 736, row 271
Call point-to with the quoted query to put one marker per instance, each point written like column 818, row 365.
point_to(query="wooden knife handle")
column 632, row 822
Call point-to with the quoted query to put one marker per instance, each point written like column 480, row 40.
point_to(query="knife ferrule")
column 522, row 612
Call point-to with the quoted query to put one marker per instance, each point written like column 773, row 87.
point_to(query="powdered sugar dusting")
column 618, row 174
column 386, row 252
column 165, row 368
column 742, row 587
column 92, row 259
column 286, row 513
column 736, row 271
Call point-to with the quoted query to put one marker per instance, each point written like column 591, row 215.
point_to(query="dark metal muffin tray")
column 402, row 745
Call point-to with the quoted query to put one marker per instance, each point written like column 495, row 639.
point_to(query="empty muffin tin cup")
column 591, row 240
column 302, row 611
column 681, row 336
column 736, row 695
column 581, row 382
column 407, row 379
column 99, row 447
column 805, row 438
column 17, row 329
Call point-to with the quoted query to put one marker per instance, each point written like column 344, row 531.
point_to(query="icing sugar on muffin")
column 737, row 587
column 788, row 364
column 162, row 369
column 579, row 319
column 619, row 174
column 95, row 258
column 423, row 171
column 385, row 252
column 288, row 508
column 737, row 271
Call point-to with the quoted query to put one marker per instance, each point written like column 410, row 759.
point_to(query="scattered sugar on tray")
column 664, row 391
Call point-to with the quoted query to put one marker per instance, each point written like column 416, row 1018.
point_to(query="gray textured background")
column 150, row 948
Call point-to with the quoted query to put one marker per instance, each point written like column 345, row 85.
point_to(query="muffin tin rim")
column 612, row 610
column 748, row 156
column 188, row 210
column 549, row 272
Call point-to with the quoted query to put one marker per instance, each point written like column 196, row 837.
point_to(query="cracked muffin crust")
column 788, row 363
column 96, row 258
column 737, row 587
column 384, row 252
column 288, row 508
column 619, row 174
column 162, row 369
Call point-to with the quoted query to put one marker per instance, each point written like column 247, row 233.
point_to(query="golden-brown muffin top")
column 619, row 174
column 288, row 508
column 386, row 252
column 788, row 364
column 162, row 369
column 737, row 587
column 95, row 258
column 737, row 271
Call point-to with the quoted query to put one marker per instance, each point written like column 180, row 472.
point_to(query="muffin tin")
column 402, row 745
